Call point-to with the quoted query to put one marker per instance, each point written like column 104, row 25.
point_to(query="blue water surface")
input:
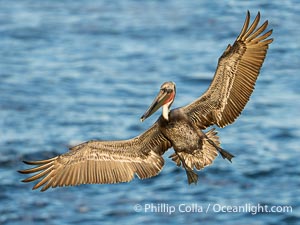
column 71, row 71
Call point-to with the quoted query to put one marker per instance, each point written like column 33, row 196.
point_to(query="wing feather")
column 235, row 78
column 102, row 162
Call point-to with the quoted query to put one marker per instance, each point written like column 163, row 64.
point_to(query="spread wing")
column 234, row 79
column 103, row 162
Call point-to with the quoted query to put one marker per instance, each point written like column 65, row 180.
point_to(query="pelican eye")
column 169, row 91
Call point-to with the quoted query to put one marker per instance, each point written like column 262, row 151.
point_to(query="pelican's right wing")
column 103, row 162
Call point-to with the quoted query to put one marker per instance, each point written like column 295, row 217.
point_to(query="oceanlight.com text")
column 253, row 209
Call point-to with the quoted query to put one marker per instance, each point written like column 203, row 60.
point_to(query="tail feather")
column 200, row 158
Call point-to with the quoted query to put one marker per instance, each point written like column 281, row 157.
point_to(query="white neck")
column 165, row 111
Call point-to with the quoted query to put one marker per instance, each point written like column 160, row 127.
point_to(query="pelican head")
column 164, row 98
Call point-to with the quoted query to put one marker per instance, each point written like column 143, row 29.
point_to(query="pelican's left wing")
column 103, row 162
column 234, row 79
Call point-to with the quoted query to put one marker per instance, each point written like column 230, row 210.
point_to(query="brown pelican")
column 118, row 161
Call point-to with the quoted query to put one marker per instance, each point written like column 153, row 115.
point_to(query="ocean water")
column 71, row 71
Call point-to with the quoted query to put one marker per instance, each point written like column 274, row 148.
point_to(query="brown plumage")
column 234, row 79
column 118, row 161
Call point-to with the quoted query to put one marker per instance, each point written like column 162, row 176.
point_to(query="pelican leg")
column 225, row 154
column 191, row 175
